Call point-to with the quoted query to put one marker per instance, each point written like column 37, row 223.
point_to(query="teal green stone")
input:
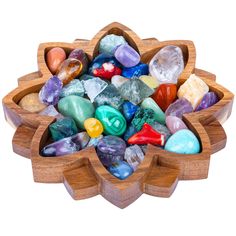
column 63, row 128
column 184, row 142
column 75, row 87
column 78, row 108
column 143, row 116
column 112, row 120
column 159, row 115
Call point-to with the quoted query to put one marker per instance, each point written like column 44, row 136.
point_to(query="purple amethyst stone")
column 111, row 149
column 179, row 107
column 208, row 100
column 127, row 56
column 50, row 92
column 66, row 145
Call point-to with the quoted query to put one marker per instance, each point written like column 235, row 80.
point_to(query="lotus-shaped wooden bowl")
column 82, row 173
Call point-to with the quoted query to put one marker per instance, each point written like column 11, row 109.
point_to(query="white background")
column 204, row 207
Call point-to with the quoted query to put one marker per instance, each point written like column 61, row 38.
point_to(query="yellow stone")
column 149, row 81
column 193, row 89
column 31, row 102
column 93, row 127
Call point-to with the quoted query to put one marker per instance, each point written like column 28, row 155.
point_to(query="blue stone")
column 130, row 131
column 129, row 110
column 135, row 71
column 100, row 59
column 184, row 142
column 120, row 169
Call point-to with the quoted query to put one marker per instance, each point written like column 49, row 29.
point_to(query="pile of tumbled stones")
column 118, row 104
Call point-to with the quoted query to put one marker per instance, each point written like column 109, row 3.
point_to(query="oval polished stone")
column 184, row 142
column 77, row 108
column 54, row 58
column 165, row 95
column 80, row 55
column 174, row 124
column 167, row 64
column 120, row 170
column 111, row 149
column 93, row 127
column 31, row 103
column 69, row 69
column 159, row 115
column 127, row 56
column 112, row 120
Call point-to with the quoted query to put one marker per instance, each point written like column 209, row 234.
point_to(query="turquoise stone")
column 143, row 116
column 135, row 90
column 184, row 142
column 63, row 128
column 75, row 87
column 109, row 96
column 110, row 42
column 78, row 108
column 135, row 71
column 159, row 115
column 120, row 169
column 112, row 120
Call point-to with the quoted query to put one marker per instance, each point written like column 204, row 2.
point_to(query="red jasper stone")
column 107, row 71
column 165, row 95
column 147, row 135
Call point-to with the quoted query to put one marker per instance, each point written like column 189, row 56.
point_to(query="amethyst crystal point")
column 66, row 145
column 50, row 92
column 111, row 149
column 208, row 100
column 179, row 107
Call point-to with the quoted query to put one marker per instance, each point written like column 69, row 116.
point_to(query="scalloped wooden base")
column 82, row 173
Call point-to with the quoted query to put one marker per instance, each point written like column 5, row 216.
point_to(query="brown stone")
column 31, row 102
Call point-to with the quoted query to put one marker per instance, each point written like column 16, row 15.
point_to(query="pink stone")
column 174, row 124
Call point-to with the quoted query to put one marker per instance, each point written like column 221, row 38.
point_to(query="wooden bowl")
column 82, row 173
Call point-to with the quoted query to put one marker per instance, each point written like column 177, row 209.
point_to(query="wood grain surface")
column 82, row 173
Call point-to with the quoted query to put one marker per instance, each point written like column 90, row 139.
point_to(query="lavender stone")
column 66, row 146
column 51, row 111
column 127, row 56
column 110, row 149
column 50, row 92
column 208, row 100
column 179, row 107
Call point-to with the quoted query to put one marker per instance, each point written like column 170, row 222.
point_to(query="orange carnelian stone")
column 165, row 95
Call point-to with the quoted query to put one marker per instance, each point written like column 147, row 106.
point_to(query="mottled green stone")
column 63, row 128
column 75, row 87
column 78, row 108
column 143, row 116
column 109, row 96
column 159, row 115
column 112, row 120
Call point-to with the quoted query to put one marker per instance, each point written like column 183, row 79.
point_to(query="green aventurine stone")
column 78, row 108
column 159, row 115
column 143, row 116
column 112, row 120
column 63, row 128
